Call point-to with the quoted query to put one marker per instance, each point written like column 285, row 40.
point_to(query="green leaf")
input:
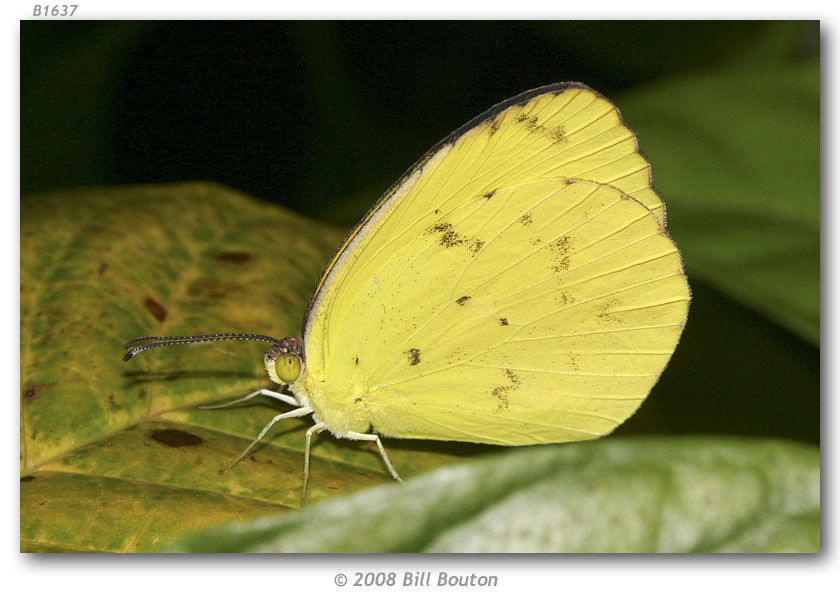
column 736, row 156
column 611, row 495
column 116, row 456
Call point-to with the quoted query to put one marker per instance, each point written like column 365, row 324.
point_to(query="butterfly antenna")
column 138, row 345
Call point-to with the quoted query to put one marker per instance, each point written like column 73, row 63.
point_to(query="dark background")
column 322, row 117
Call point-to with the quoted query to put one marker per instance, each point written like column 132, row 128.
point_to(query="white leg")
column 316, row 428
column 370, row 437
column 276, row 395
column 298, row 412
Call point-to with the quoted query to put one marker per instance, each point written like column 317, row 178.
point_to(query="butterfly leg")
column 298, row 412
column 276, row 395
column 316, row 428
column 372, row 437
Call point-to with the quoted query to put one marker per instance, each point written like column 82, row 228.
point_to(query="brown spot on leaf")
column 26, row 478
column 55, row 315
column 503, row 321
column 158, row 312
column 113, row 404
column 463, row 300
column 34, row 390
column 236, row 257
column 413, row 356
column 175, row 438
column 102, row 268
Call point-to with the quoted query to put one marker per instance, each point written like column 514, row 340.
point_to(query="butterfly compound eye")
column 284, row 362
column 287, row 367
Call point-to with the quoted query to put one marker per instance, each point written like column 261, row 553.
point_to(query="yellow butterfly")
column 516, row 286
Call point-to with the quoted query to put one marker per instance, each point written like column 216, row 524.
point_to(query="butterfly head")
column 284, row 362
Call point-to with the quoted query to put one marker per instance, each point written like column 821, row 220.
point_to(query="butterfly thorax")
column 339, row 411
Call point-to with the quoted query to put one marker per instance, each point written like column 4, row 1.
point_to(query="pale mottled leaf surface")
column 610, row 495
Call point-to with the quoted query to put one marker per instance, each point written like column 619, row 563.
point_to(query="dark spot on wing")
column 526, row 219
column 560, row 249
column 234, row 257
column 438, row 227
column 357, row 400
column 451, row 238
column 501, row 392
column 564, row 298
column 605, row 311
column 495, row 123
column 413, row 356
column 463, row 300
column 503, row 321
column 557, row 133
column 561, row 265
column 356, row 360
column 26, row 478
column 531, row 124
column 175, row 438
column 489, row 194
column 158, row 312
